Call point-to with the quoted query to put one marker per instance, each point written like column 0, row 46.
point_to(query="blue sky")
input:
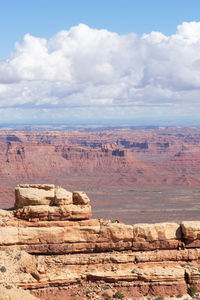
column 44, row 18
column 87, row 60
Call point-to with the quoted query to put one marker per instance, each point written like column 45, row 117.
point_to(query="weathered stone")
column 33, row 195
column 44, row 186
column 156, row 232
column 6, row 213
column 62, row 197
column 156, row 236
column 146, row 274
column 191, row 230
column 50, row 213
column 9, row 235
column 80, row 198
column 9, row 292
column 115, row 232
column 71, row 206
column 135, row 259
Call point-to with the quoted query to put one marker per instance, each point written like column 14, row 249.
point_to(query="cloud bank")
column 86, row 67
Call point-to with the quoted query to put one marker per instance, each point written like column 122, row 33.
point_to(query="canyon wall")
column 124, row 171
column 137, row 157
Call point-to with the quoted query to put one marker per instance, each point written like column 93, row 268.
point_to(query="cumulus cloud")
column 85, row 66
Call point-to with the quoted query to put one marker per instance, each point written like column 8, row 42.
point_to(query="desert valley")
column 138, row 175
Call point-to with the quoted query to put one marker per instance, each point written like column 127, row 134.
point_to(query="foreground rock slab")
column 55, row 251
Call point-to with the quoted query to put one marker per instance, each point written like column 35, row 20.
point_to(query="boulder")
column 30, row 194
column 191, row 230
column 80, row 198
column 62, row 197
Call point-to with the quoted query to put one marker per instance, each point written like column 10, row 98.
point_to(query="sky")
column 92, row 61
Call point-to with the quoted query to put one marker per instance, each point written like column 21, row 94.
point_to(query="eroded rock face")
column 155, row 236
column 57, row 252
column 80, row 198
column 191, row 230
column 54, row 213
column 62, row 197
column 34, row 194
column 46, row 202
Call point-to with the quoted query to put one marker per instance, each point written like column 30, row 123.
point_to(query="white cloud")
column 85, row 66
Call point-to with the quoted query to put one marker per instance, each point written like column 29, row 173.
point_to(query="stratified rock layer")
column 57, row 252
column 46, row 202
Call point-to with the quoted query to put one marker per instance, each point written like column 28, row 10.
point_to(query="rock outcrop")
column 55, row 251
column 43, row 202
column 34, row 194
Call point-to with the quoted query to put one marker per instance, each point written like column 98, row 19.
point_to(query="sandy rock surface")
column 57, row 252
column 62, row 197
column 80, row 198
column 10, row 292
column 33, row 195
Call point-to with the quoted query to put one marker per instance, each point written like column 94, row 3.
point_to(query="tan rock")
column 9, row 292
column 62, row 197
column 9, row 235
column 115, row 232
column 80, row 236
column 160, row 273
column 33, row 195
column 80, row 198
column 6, row 213
column 146, row 273
column 191, row 230
column 56, row 235
column 45, row 212
column 37, row 186
column 156, row 232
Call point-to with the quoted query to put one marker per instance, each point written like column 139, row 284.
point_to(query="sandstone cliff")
column 115, row 167
column 50, row 247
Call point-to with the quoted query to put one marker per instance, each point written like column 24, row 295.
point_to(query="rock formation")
column 111, row 165
column 45, row 202
column 50, row 247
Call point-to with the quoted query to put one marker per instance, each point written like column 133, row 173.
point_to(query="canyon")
column 138, row 175
column 51, row 248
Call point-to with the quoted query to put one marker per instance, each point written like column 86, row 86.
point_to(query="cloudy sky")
column 100, row 61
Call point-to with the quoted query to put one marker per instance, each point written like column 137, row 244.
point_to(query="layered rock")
column 57, row 252
column 44, row 202
column 156, row 160
column 156, row 236
column 50, row 213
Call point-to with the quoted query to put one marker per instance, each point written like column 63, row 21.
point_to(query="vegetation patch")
column 192, row 290
column 3, row 269
column 118, row 295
